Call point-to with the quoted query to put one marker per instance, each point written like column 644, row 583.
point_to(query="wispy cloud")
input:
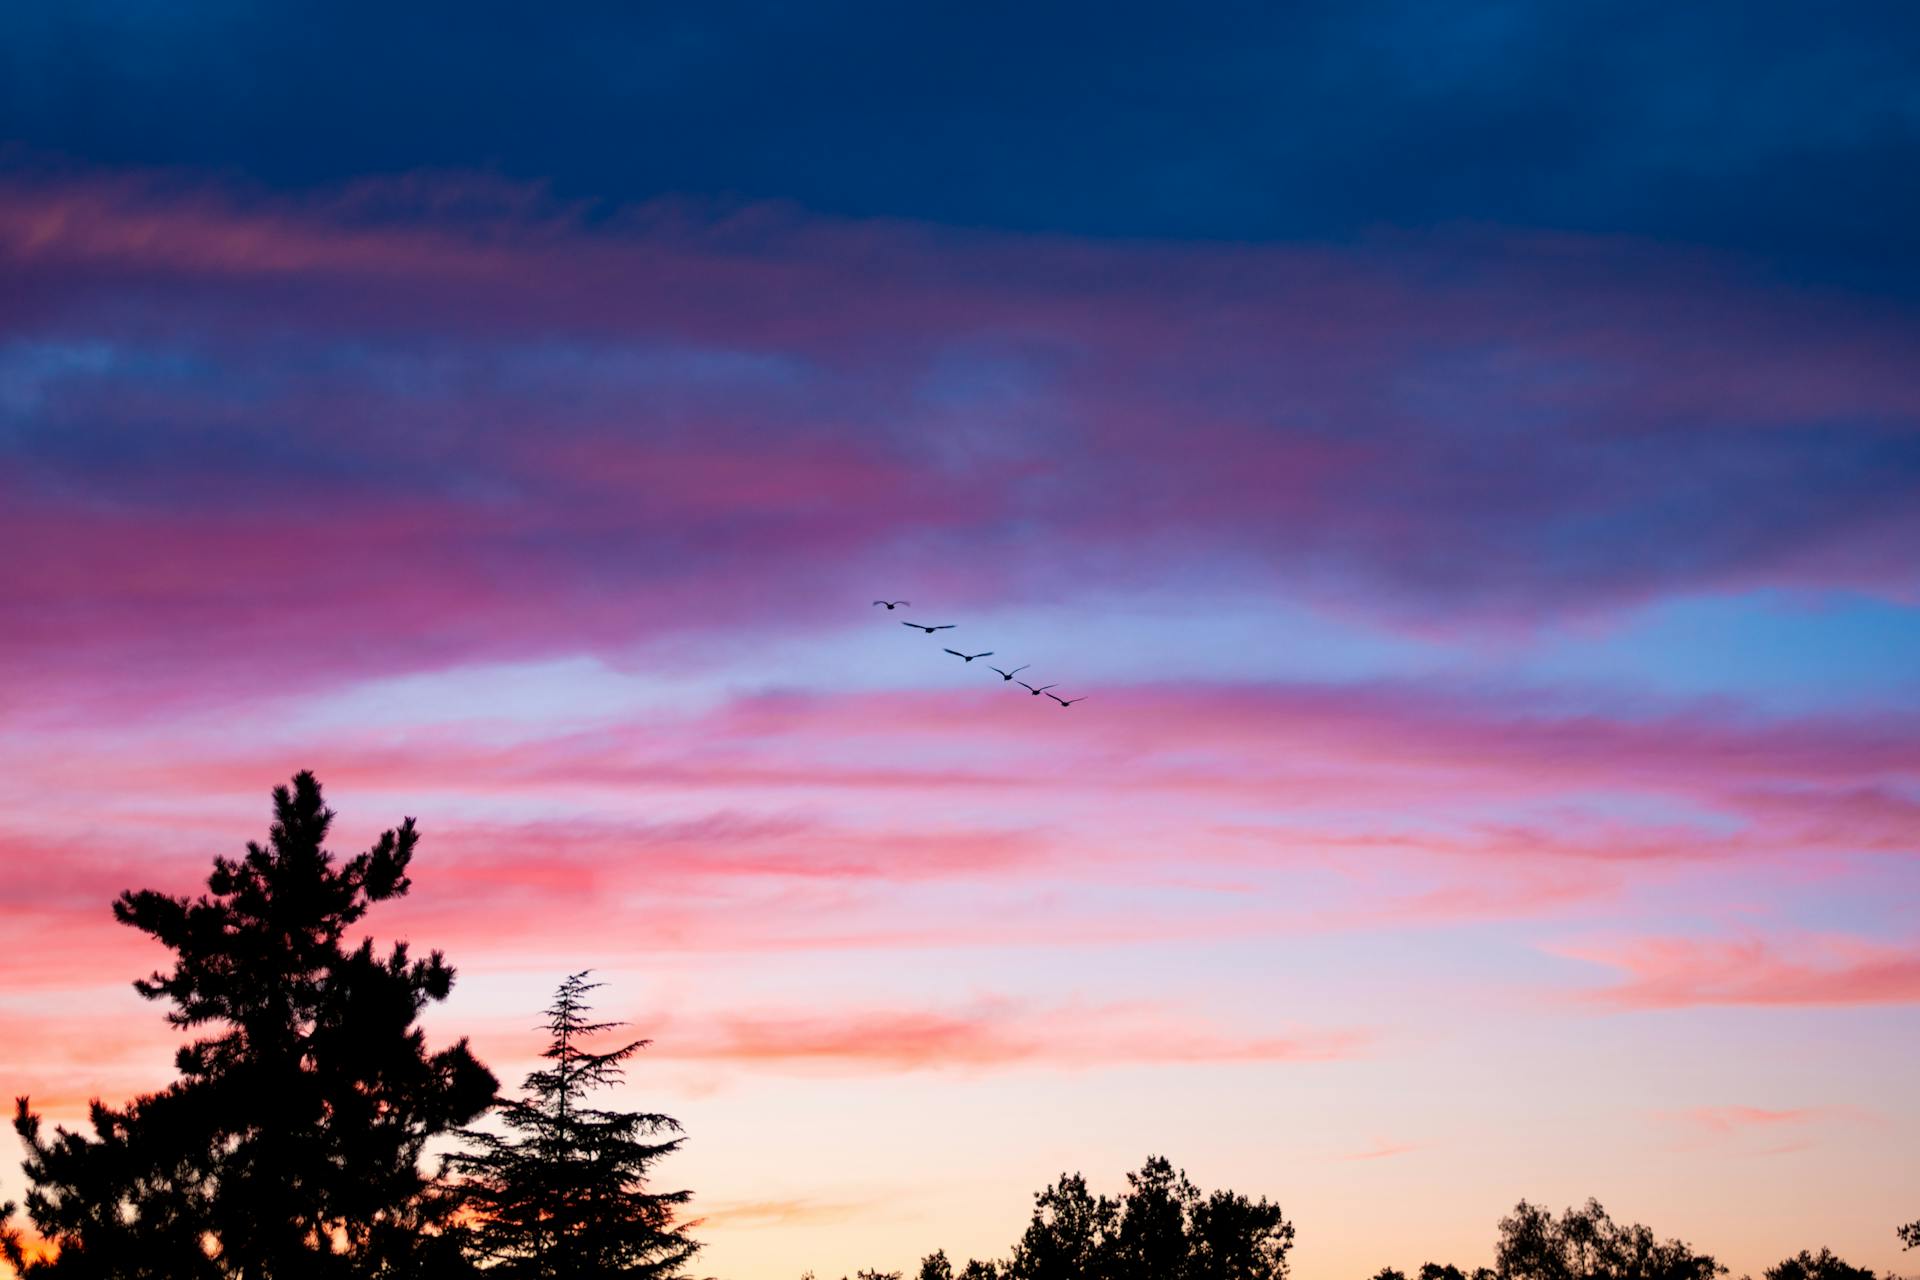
column 1728, row 1120
column 990, row 1035
column 1752, row 1131
column 1677, row 973
column 751, row 1214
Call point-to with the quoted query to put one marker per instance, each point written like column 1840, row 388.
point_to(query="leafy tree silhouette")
column 568, row 1197
column 1585, row 1244
column 1152, row 1236
column 1071, row 1236
column 936, row 1267
column 1910, row 1235
column 1234, row 1238
column 1434, row 1271
column 290, row 1145
column 1162, row 1228
column 1582, row 1244
column 1817, row 1266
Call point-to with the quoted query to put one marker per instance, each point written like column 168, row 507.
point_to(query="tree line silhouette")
column 291, row 1145
column 1161, row 1228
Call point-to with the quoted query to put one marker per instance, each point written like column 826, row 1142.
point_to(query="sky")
column 1468, row 456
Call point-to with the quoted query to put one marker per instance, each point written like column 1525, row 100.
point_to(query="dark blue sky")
column 1783, row 132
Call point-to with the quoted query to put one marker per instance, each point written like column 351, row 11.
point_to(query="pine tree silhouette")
column 568, row 1197
column 289, row 1148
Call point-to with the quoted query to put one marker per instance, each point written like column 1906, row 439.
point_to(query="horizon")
column 1469, row 462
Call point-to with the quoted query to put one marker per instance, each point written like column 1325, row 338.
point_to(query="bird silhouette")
column 1066, row 702
column 1035, row 692
column 891, row 603
column 1005, row 675
column 945, row 626
column 970, row 656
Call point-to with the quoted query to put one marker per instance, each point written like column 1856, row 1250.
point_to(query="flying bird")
column 970, row 656
column 945, row 626
column 891, row 603
column 1066, row 702
column 1035, row 692
column 1005, row 675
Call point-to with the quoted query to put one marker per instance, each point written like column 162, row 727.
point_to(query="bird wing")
column 955, row 652
column 1024, row 685
column 946, row 626
column 1043, row 688
column 987, row 654
column 916, row 626
column 1019, row 668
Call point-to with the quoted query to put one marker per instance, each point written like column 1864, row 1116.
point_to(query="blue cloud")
column 1758, row 127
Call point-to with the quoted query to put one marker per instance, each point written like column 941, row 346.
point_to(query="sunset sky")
column 1468, row 456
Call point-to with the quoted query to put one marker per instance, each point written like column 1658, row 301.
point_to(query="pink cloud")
column 62, row 1058
column 1676, row 973
column 1752, row 1131
column 730, row 846
column 738, row 1215
column 1419, row 771
column 990, row 1035
column 1736, row 1119
column 1379, row 740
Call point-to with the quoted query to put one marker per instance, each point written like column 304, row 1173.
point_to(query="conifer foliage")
column 290, row 1144
column 564, row 1193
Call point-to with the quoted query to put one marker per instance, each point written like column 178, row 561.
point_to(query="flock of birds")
column 1006, row 676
